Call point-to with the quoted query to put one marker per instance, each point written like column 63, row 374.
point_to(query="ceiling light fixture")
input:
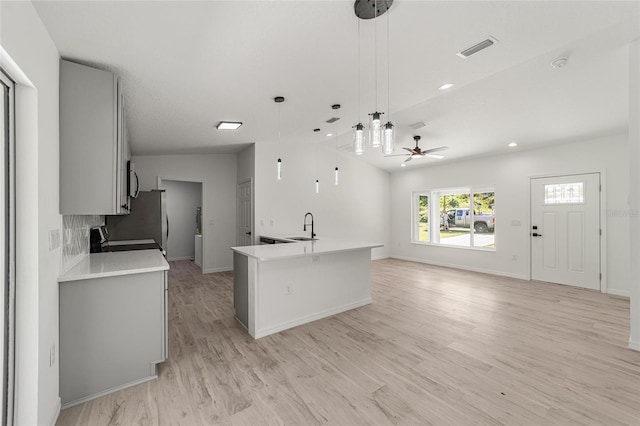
column 336, row 107
column 512, row 144
column 375, row 128
column 446, row 86
column 559, row 62
column 279, row 100
column 228, row 125
column 403, row 164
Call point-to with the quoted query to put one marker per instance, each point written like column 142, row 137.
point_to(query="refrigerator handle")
column 137, row 185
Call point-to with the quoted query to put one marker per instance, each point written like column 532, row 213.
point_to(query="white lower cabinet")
column 113, row 332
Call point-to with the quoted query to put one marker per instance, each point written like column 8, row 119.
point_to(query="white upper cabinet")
column 94, row 150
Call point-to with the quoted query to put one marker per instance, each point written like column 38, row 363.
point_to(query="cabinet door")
column 123, row 156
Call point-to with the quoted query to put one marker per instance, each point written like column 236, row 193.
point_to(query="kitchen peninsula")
column 280, row 286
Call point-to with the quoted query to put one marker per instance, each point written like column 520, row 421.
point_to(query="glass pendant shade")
column 375, row 129
column 336, row 175
column 317, row 186
column 387, row 139
column 358, row 139
column 279, row 169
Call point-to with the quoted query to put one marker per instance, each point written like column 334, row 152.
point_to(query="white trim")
column 171, row 259
column 309, row 318
column 56, row 413
column 462, row 267
column 634, row 345
column 379, row 257
column 619, row 293
column 218, row 269
column 110, row 390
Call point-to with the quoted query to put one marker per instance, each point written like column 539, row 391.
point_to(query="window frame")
column 434, row 211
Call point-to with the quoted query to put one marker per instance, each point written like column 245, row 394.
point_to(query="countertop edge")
column 297, row 255
column 112, row 274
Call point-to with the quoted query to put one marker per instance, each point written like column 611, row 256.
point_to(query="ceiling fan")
column 418, row 153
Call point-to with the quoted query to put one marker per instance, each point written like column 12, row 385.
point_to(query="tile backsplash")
column 75, row 237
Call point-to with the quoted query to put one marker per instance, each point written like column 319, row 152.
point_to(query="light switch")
column 54, row 239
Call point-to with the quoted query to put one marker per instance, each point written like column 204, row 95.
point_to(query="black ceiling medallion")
column 369, row 9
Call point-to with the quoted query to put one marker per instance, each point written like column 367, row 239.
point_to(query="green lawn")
column 423, row 235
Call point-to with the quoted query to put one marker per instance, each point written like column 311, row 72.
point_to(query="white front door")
column 565, row 230
column 245, row 237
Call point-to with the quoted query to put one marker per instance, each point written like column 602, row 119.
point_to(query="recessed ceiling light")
column 446, row 86
column 512, row 144
column 228, row 125
column 403, row 165
column 329, row 135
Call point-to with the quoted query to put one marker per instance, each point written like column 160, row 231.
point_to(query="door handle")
column 535, row 234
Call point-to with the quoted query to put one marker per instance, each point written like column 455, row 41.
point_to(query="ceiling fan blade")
column 396, row 155
column 440, row 148
column 408, row 149
column 408, row 159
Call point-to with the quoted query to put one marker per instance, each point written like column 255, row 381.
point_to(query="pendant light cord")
column 375, row 49
column 388, row 72
column 359, row 77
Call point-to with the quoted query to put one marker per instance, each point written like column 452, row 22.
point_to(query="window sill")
column 426, row 243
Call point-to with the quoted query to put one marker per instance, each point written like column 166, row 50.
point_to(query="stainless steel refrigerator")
column 147, row 220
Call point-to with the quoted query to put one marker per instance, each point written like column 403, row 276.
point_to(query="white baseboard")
column 219, row 269
column 464, row 268
column 619, row 293
column 634, row 345
column 171, row 259
column 108, row 391
column 309, row 318
column 56, row 413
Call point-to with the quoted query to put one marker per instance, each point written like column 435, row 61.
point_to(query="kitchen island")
column 113, row 323
column 280, row 286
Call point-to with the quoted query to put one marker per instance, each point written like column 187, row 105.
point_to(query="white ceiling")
column 187, row 65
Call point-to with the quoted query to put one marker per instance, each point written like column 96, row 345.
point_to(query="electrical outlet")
column 288, row 289
column 52, row 355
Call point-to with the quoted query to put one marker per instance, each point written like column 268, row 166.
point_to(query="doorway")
column 7, row 247
column 184, row 214
column 565, row 230
column 245, row 213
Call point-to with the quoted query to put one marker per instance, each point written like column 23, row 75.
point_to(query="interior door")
column 245, row 221
column 565, row 230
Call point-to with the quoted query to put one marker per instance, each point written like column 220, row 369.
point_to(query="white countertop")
column 302, row 248
column 99, row 265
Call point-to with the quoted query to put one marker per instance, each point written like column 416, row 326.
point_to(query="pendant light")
column 336, row 107
column 317, row 177
column 279, row 100
column 388, row 132
column 358, row 129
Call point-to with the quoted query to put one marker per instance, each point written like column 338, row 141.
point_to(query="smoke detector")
column 559, row 62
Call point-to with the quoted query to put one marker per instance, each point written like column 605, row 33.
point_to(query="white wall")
column 218, row 175
column 634, row 193
column 357, row 209
column 510, row 174
column 246, row 163
column 183, row 198
column 28, row 44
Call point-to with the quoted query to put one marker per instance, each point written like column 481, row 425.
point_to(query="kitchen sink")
column 301, row 238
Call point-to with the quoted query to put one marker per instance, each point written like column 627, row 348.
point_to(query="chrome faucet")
column 304, row 227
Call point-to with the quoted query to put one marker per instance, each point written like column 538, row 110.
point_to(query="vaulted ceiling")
column 187, row 65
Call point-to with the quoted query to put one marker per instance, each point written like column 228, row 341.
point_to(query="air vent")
column 418, row 125
column 332, row 120
column 478, row 47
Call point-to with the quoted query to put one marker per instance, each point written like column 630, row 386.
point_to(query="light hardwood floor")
column 437, row 346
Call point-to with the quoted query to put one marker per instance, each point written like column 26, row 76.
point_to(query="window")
column 564, row 193
column 459, row 217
